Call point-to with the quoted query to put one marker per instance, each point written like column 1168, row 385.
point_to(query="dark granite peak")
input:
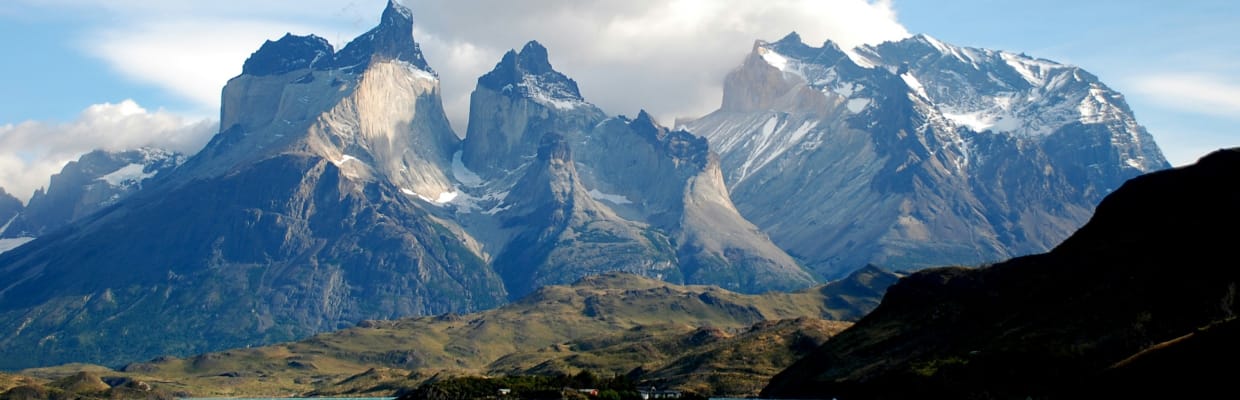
column 792, row 38
column 533, row 59
column 289, row 53
column 528, row 73
column 392, row 39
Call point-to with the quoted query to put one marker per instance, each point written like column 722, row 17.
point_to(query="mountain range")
column 336, row 191
column 917, row 153
column 97, row 179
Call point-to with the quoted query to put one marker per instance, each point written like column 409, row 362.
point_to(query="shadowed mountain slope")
column 1154, row 264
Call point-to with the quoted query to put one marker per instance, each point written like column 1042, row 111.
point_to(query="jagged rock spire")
column 529, row 72
column 392, row 39
column 533, row 58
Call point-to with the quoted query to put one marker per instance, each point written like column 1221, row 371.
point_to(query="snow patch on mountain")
column 774, row 138
column 127, row 175
column 447, row 197
column 439, row 200
column 774, row 59
column 856, row 106
column 862, row 60
column 13, row 243
column 608, row 197
column 344, row 159
column 915, row 84
column 1034, row 71
column 7, row 223
column 418, row 73
column 982, row 121
column 547, row 93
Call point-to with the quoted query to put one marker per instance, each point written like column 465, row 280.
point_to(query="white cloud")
column 1193, row 93
column 190, row 58
column 30, row 152
column 191, row 48
column 668, row 57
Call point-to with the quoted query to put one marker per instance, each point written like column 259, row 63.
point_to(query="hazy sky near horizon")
column 84, row 74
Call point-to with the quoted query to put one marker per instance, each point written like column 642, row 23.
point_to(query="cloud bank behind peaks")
column 30, row 152
column 669, row 57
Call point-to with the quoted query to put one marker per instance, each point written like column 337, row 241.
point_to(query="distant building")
column 505, row 392
column 653, row 394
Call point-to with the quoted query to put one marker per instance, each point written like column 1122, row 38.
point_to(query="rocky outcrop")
column 563, row 234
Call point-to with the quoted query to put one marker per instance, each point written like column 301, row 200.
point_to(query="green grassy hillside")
column 707, row 339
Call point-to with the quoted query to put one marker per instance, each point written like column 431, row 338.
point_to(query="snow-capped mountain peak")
column 928, row 120
column 96, row 180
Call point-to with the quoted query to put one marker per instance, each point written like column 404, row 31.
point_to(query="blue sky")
column 76, row 66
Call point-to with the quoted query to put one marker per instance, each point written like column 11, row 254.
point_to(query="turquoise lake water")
column 287, row 398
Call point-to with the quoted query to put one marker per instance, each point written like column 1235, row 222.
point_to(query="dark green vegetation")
column 1141, row 300
column 694, row 338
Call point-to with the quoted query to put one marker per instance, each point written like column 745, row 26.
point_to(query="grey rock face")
column 514, row 105
column 562, row 234
column 917, row 153
column 632, row 196
column 96, row 180
column 9, row 208
column 672, row 181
